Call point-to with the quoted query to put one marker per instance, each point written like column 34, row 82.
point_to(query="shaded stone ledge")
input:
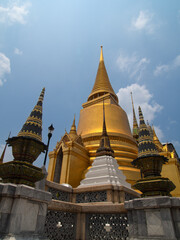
column 104, row 207
column 23, row 191
column 153, row 202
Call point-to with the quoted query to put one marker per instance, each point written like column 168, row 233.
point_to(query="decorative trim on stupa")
column 33, row 125
column 135, row 124
column 146, row 146
column 105, row 147
column 102, row 84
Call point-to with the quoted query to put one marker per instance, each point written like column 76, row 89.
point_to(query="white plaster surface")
column 104, row 170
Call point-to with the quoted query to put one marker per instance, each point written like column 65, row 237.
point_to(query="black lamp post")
column 51, row 129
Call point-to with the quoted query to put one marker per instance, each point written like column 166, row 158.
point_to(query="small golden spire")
column 73, row 133
column 135, row 124
column 156, row 140
column 101, row 55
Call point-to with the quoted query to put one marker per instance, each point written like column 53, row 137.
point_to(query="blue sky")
column 56, row 45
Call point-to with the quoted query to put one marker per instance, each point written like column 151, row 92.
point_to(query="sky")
column 56, row 45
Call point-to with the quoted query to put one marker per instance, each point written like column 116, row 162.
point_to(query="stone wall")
column 23, row 212
column 154, row 218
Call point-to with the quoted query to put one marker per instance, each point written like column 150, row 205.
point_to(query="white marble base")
column 104, row 170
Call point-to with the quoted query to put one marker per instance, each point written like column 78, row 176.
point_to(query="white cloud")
column 143, row 98
column 143, row 22
column 160, row 69
column 133, row 65
column 14, row 13
column 4, row 67
column 17, row 51
column 8, row 154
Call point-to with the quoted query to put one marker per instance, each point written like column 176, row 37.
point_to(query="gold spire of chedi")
column 102, row 84
column 33, row 125
column 135, row 124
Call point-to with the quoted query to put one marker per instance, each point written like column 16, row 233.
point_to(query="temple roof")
column 102, row 84
column 33, row 125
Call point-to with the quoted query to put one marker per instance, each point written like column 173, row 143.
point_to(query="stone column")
column 154, row 218
column 23, row 212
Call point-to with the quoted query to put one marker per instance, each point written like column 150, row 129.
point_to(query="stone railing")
column 86, row 221
column 105, row 193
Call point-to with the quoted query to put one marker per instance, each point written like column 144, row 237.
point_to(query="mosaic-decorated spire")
column 150, row 130
column 105, row 147
column 146, row 145
column 33, row 125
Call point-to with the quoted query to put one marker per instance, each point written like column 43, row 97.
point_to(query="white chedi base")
column 104, row 170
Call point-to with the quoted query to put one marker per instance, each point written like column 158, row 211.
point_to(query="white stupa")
column 104, row 169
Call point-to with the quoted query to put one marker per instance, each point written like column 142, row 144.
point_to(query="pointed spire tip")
column 101, row 55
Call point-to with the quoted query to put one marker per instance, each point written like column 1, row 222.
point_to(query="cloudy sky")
column 56, row 45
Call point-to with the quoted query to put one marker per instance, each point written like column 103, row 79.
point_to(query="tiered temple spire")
column 102, row 84
column 150, row 163
column 33, row 125
column 105, row 147
column 146, row 146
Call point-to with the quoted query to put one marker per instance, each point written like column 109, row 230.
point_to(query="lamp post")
column 50, row 130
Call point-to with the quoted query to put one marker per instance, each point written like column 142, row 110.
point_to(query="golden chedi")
column 122, row 141
column 75, row 152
